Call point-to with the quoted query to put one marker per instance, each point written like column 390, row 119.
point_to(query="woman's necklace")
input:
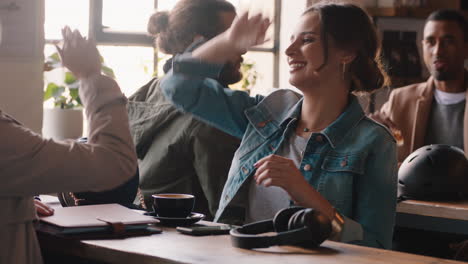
column 310, row 130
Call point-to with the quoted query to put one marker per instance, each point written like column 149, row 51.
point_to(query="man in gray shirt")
column 433, row 112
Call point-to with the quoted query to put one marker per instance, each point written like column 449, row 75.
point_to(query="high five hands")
column 246, row 32
column 79, row 54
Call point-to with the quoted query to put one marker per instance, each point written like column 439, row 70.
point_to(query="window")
column 119, row 27
column 132, row 63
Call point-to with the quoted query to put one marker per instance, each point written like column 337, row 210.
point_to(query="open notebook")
column 101, row 218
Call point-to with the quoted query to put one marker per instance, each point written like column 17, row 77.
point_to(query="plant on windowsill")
column 249, row 77
column 65, row 119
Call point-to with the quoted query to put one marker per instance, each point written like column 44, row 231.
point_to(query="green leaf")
column 53, row 91
column 55, row 57
column 108, row 72
column 74, row 94
column 51, row 87
column 69, row 78
column 78, row 101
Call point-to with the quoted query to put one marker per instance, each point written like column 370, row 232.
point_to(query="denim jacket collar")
column 336, row 132
column 268, row 116
column 267, row 120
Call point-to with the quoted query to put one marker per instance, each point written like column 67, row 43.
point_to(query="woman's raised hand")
column 79, row 54
column 246, row 32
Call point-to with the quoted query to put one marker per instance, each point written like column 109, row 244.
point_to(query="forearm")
column 191, row 86
column 344, row 229
column 27, row 159
column 218, row 50
column 108, row 129
column 307, row 196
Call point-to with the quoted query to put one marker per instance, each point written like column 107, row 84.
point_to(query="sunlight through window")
column 134, row 65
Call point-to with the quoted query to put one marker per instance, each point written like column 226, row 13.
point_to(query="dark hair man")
column 434, row 112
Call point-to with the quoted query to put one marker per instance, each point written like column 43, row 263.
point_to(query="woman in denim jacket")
column 318, row 150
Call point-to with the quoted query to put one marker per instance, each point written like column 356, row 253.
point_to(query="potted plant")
column 64, row 119
column 249, row 77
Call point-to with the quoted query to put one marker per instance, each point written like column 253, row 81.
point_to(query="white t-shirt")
column 265, row 202
column 445, row 98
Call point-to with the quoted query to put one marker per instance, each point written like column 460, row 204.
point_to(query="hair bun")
column 158, row 22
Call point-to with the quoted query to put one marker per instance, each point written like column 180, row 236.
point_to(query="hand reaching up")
column 79, row 54
column 246, row 32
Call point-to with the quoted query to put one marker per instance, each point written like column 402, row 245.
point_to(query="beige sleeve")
column 387, row 108
column 30, row 164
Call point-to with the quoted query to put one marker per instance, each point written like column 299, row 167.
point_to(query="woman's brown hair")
column 175, row 30
column 351, row 29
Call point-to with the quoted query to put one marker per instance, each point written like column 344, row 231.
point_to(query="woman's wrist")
column 307, row 196
column 218, row 50
column 337, row 223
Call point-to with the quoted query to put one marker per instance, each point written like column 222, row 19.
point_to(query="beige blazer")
column 409, row 109
column 30, row 164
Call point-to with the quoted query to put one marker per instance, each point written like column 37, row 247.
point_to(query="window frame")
column 106, row 36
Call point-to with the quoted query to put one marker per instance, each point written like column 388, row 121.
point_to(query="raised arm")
column 30, row 164
column 191, row 84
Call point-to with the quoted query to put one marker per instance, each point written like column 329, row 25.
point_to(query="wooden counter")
column 457, row 210
column 446, row 216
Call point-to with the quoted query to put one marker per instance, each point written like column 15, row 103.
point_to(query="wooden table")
column 450, row 217
column 173, row 247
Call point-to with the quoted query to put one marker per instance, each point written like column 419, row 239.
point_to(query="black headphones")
column 298, row 226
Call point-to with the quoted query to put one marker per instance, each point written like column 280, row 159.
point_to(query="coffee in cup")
column 175, row 205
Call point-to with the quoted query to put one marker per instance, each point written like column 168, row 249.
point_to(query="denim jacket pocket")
column 337, row 181
column 345, row 162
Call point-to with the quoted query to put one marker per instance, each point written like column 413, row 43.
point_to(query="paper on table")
column 87, row 216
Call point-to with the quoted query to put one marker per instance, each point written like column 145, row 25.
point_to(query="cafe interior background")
column 31, row 27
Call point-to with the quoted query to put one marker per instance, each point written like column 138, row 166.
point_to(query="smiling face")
column 306, row 54
column 444, row 49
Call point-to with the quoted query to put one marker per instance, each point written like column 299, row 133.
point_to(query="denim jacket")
column 352, row 162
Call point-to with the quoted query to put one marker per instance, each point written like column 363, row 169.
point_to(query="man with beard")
column 434, row 112
column 178, row 153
